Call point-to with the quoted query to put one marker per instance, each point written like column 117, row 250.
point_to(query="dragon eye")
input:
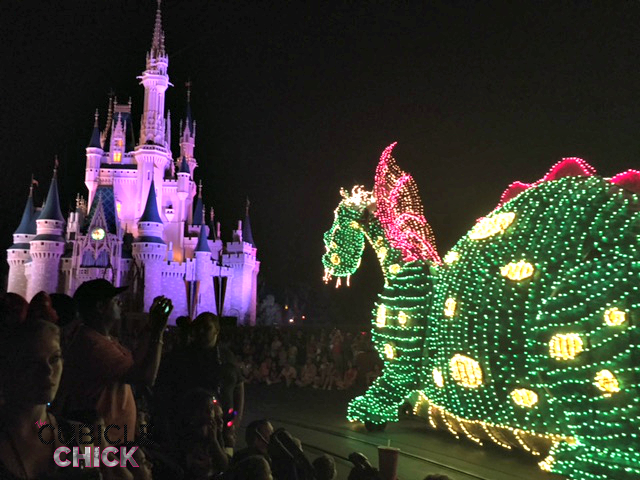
column 335, row 259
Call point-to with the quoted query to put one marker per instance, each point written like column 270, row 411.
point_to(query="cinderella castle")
column 144, row 224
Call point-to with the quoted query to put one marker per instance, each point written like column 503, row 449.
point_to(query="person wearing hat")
column 99, row 371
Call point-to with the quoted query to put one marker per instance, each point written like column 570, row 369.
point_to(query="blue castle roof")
column 247, row 234
column 27, row 224
column 198, row 213
column 95, row 135
column 150, row 213
column 184, row 166
column 51, row 209
column 203, row 244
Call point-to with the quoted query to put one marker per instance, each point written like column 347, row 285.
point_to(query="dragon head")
column 345, row 240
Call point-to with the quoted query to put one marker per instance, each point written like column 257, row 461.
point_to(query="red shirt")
column 93, row 378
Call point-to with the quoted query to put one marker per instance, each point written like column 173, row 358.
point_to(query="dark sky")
column 295, row 100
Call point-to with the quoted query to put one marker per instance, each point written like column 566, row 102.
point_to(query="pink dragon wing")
column 399, row 210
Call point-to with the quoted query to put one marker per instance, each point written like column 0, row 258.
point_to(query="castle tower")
column 18, row 253
column 242, row 288
column 152, row 154
column 94, row 155
column 149, row 249
column 47, row 246
column 204, row 271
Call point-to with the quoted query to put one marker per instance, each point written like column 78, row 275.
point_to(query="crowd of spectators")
column 299, row 357
column 71, row 365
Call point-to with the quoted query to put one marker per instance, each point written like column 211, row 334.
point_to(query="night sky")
column 294, row 100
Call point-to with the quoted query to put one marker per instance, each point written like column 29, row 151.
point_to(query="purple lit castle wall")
column 144, row 224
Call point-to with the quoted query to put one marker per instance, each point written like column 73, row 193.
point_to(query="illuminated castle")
column 143, row 224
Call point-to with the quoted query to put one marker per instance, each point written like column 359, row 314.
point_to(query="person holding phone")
column 99, row 370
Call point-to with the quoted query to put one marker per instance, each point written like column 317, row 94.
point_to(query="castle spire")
column 203, row 244
column 150, row 213
column 189, row 116
column 51, row 209
column 157, row 42
column 198, row 212
column 26, row 225
column 95, row 135
column 247, row 234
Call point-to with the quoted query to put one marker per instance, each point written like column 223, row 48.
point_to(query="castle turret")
column 18, row 253
column 204, row 271
column 94, row 155
column 241, row 257
column 47, row 246
column 149, row 248
column 155, row 81
column 152, row 155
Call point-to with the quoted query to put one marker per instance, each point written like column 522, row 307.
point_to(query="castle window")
column 117, row 157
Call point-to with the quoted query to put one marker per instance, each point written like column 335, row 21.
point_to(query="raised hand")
column 159, row 313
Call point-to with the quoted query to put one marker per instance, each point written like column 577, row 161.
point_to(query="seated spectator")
column 325, row 468
column 254, row 467
column 99, row 370
column 330, row 375
column 247, row 368
column 197, row 436
column 323, row 369
column 205, row 364
column 308, row 374
column 289, row 374
column 257, row 436
column 348, row 379
column 262, row 374
column 274, row 375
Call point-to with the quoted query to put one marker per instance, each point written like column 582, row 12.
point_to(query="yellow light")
column 489, row 226
column 335, row 258
column 524, row 397
column 466, row 371
column 438, row 379
column 354, row 224
column 402, row 318
column 381, row 317
column 118, row 207
column 450, row 307
column 451, row 257
column 614, row 317
column 389, row 351
column 117, row 157
column 547, row 463
column 607, row 382
column 381, row 252
column 394, row 269
column 517, row 271
column 565, row 346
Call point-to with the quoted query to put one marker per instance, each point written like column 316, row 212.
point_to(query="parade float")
column 525, row 334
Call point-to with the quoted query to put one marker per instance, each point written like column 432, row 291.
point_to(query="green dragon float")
column 525, row 334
